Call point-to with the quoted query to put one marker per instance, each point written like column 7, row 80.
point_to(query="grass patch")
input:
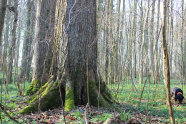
column 12, row 100
column 157, row 99
column 126, row 96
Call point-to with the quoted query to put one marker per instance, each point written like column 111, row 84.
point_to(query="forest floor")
column 152, row 110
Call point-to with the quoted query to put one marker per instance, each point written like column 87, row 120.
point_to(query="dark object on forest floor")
column 178, row 94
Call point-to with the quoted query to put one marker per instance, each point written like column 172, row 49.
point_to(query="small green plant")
column 101, row 118
column 125, row 116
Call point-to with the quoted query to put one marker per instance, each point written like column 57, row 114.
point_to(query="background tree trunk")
column 134, row 39
column 27, row 51
column 140, row 70
column 152, row 42
column 45, row 17
column 156, row 45
column 3, row 4
column 11, row 50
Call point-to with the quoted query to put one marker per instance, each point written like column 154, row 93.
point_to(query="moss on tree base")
column 50, row 97
column 33, row 87
column 69, row 97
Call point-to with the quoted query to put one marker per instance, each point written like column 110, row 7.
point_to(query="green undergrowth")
column 13, row 101
column 128, row 107
column 127, row 95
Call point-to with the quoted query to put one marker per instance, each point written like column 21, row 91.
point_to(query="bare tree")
column 182, row 43
column 152, row 42
column 2, row 16
column 134, row 38
column 11, row 53
column 166, row 62
column 27, row 45
column 140, row 70
column 156, row 44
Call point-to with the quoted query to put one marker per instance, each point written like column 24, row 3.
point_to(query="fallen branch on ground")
column 4, row 110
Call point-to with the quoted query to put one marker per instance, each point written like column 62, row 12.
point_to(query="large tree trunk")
column 81, row 64
column 27, row 44
column 80, row 82
column 2, row 16
column 45, row 16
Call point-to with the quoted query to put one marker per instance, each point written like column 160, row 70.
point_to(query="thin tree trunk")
column 117, row 41
column 184, row 65
column 143, row 42
column 156, row 45
column 134, row 37
column 166, row 62
column 111, row 71
column 140, row 71
column 181, row 43
column 171, row 37
column 151, row 42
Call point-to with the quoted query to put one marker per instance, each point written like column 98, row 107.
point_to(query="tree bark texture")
column 44, row 35
column 156, row 45
column 79, row 82
column 82, row 48
column 43, row 49
column 27, row 52
column 11, row 52
column 166, row 62
column 2, row 17
column 152, row 42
